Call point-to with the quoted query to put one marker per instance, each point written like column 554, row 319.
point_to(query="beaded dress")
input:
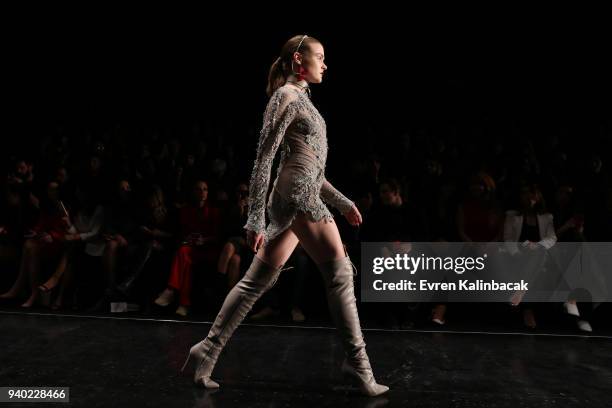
column 292, row 123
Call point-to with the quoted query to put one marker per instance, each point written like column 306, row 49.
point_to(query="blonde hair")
column 282, row 67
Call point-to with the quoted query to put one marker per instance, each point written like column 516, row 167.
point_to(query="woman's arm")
column 332, row 196
column 509, row 233
column 549, row 238
column 95, row 224
column 280, row 112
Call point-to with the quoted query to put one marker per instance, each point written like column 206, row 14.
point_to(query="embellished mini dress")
column 293, row 124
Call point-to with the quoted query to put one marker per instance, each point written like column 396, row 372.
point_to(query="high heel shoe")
column 239, row 301
column 297, row 315
column 165, row 298
column 364, row 378
column 32, row 300
column 571, row 309
column 8, row 296
column 338, row 277
column 584, row 326
column 529, row 319
column 182, row 310
column 202, row 373
column 46, row 292
column 437, row 315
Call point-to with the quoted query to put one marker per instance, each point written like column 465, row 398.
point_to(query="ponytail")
column 276, row 77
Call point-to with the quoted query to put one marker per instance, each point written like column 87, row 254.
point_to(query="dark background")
column 386, row 74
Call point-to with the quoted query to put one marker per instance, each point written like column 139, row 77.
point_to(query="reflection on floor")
column 128, row 362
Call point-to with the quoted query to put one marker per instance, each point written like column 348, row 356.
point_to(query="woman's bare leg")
column 59, row 272
column 321, row 240
column 29, row 249
column 278, row 251
column 224, row 258
column 109, row 262
column 33, row 267
column 66, row 284
column 233, row 271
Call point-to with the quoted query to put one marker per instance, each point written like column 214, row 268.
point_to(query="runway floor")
column 133, row 362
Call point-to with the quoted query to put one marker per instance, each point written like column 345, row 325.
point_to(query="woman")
column 16, row 217
column 532, row 228
column 479, row 217
column 151, row 248
column 297, row 214
column 235, row 249
column 200, row 224
column 83, row 238
column 43, row 245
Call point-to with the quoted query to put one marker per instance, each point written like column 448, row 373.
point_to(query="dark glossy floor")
column 113, row 362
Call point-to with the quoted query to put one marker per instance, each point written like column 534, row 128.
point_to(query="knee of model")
column 229, row 248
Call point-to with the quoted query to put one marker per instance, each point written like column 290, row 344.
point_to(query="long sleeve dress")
column 292, row 122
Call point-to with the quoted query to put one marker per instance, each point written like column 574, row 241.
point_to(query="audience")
column 139, row 210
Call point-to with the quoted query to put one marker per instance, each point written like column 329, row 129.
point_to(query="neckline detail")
column 300, row 90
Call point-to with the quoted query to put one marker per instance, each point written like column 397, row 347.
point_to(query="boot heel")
column 186, row 362
column 367, row 386
column 207, row 382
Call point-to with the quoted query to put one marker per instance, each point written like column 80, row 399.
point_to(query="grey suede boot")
column 338, row 278
column 258, row 279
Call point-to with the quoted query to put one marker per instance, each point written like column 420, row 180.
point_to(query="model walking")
column 297, row 214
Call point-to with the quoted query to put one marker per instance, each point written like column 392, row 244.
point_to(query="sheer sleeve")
column 279, row 114
column 330, row 195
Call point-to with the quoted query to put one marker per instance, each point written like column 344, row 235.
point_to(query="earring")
column 300, row 76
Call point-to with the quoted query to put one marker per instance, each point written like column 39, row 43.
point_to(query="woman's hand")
column 353, row 216
column 71, row 237
column 157, row 233
column 44, row 237
column 67, row 222
column 121, row 240
column 533, row 245
column 255, row 240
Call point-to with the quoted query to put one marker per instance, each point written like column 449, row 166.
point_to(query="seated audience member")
column 83, row 241
column 235, row 249
column 530, row 228
column 43, row 245
column 17, row 216
column 151, row 248
column 394, row 221
column 118, row 231
column 200, row 225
